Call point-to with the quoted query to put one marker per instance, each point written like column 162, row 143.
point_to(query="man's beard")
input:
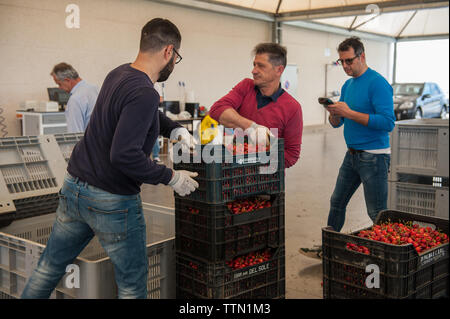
column 166, row 71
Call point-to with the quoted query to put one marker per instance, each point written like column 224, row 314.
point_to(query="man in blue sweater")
column 100, row 194
column 366, row 110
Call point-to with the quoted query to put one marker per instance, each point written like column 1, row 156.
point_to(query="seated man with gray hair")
column 82, row 96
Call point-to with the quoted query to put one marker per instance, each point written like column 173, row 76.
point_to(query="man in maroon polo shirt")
column 261, row 104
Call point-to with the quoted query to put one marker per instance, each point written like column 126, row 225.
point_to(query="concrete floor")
column 309, row 184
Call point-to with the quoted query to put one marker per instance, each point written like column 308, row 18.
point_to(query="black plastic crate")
column 223, row 163
column 219, row 216
column 229, row 177
column 199, row 279
column 275, row 290
column 213, row 233
column 29, row 207
column 436, row 289
column 238, row 245
column 403, row 272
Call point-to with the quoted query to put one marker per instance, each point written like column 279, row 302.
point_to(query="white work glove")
column 183, row 183
column 259, row 134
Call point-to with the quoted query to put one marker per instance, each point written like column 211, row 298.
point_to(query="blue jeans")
column 369, row 169
column 155, row 149
column 117, row 221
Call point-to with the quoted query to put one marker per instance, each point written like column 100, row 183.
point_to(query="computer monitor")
column 190, row 107
column 171, row 106
column 58, row 95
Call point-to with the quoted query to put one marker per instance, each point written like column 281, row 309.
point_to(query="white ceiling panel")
column 428, row 22
column 418, row 23
column 342, row 22
column 392, row 18
column 296, row 5
column 388, row 24
column 260, row 5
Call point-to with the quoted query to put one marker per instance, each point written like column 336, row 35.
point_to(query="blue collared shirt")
column 262, row 100
column 80, row 105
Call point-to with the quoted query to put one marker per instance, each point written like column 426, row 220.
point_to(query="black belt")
column 353, row 151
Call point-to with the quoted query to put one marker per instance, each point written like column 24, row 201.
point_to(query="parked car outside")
column 419, row 100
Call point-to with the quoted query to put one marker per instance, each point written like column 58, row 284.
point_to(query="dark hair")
column 277, row 53
column 64, row 71
column 353, row 42
column 158, row 33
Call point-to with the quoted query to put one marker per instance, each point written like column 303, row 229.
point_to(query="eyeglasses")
column 179, row 58
column 347, row 61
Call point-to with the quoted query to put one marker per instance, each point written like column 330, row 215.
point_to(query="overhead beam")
column 339, row 30
column 213, row 6
column 440, row 36
column 277, row 32
column 406, row 24
column 277, row 28
column 394, row 75
column 278, row 7
column 363, row 23
column 353, row 22
column 363, row 34
column 362, row 9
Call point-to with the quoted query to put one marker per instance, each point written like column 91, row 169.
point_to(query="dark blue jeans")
column 155, row 149
column 117, row 221
column 369, row 169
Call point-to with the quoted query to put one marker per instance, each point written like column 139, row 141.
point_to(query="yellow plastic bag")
column 208, row 129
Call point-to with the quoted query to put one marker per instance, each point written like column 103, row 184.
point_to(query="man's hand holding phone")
column 339, row 109
column 325, row 101
column 330, row 106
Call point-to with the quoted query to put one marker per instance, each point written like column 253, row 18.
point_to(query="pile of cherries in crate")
column 247, row 205
column 422, row 238
column 250, row 259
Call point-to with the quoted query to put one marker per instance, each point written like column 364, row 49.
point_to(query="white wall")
column 306, row 48
column 216, row 50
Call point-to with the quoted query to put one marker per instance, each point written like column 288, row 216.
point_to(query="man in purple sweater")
column 261, row 104
column 100, row 194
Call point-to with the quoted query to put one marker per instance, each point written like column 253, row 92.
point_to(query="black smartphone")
column 325, row 101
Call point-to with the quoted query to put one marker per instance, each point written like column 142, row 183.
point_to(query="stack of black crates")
column 210, row 239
